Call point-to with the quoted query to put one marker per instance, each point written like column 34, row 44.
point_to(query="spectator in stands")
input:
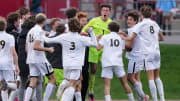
column 122, row 4
column 139, row 3
column 36, row 7
column 164, row 7
column 13, row 22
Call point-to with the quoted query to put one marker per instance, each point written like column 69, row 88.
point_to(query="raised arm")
column 93, row 37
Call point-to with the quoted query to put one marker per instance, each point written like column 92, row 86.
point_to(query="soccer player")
column 24, row 14
column 70, row 13
column 73, row 45
column 100, row 27
column 53, row 24
column 9, row 68
column 135, row 64
column 36, row 58
column 157, row 63
column 148, row 31
column 113, row 63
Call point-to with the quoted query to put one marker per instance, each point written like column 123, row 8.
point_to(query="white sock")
column 160, row 89
column 130, row 96
column 152, row 87
column 68, row 94
column 12, row 86
column 28, row 94
column 61, row 88
column 13, row 95
column 4, row 95
column 78, row 96
column 107, row 97
column 139, row 90
column 34, row 95
column 49, row 90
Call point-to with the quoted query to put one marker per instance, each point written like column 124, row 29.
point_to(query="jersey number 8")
column 2, row 43
column 114, row 42
column 152, row 29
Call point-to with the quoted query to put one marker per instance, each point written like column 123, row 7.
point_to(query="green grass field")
column 170, row 75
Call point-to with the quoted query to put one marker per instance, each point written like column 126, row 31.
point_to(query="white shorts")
column 148, row 65
column 8, row 75
column 134, row 66
column 72, row 74
column 157, row 61
column 37, row 69
column 107, row 72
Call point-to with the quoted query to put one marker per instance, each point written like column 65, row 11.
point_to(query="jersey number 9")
column 114, row 42
column 2, row 43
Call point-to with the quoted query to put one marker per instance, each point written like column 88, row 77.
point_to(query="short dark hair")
column 134, row 14
column 53, row 20
column 60, row 29
column 113, row 26
column 12, row 17
column 40, row 18
column 105, row 5
column 2, row 24
column 74, row 25
column 146, row 11
column 29, row 23
column 23, row 11
column 71, row 12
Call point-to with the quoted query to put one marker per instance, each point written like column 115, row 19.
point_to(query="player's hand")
column 90, row 29
column 51, row 49
column 84, row 33
column 17, row 70
column 47, row 33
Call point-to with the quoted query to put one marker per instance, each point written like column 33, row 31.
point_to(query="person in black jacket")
column 36, row 7
column 55, row 58
column 13, row 22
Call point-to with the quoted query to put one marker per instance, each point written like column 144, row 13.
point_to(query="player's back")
column 35, row 56
column 113, row 49
column 148, row 31
column 6, row 58
column 73, row 46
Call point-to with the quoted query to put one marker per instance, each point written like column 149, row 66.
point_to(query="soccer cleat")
column 4, row 84
column 60, row 91
column 146, row 97
column 91, row 96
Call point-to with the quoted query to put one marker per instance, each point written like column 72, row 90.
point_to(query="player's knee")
column 93, row 71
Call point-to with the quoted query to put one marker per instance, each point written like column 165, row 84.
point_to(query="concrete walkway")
column 173, row 39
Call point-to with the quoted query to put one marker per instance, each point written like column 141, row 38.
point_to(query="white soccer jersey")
column 113, row 50
column 73, row 46
column 35, row 56
column 52, row 33
column 6, row 58
column 148, row 31
column 136, row 53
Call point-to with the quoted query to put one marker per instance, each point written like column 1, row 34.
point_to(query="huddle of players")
column 142, row 46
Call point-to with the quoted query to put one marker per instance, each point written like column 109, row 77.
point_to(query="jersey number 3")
column 72, row 46
column 2, row 43
column 114, row 43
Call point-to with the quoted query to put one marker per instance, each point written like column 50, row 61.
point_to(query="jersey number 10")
column 114, row 43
